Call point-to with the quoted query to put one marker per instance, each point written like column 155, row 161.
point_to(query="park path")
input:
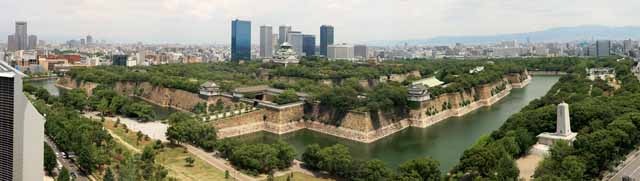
column 115, row 136
column 218, row 163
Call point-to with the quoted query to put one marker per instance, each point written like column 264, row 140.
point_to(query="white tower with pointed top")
column 563, row 124
column 563, row 131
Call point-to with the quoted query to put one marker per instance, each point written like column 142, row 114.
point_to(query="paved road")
column 631, row 168
column 65, row 162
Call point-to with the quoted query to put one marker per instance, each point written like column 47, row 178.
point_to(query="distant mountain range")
column 561, row 34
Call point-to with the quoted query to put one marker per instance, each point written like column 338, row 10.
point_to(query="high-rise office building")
column 340, row 52
column 603, row 48
column 21, row 35
column 89, row 40
column 275, row 42
column 119, row 60
column 628, row 45
column 326, row 38
column 282, row 34
column 240, row 40
column 21, row 130
column 12, row 43
column 309, row 45
column 296, row 40
column 360, row 51
column 33, row 42
column 83, row 42
column 266, row 41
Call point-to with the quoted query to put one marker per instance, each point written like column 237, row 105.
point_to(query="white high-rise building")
column 340, row 52
column 282, row 34
column 266, row 41
column 21, row 130
column 296, row 41
column 21, row 35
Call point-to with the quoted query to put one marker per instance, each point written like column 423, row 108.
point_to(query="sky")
column 209, row 21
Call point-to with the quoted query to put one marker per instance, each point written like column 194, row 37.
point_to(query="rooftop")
column 7, row 71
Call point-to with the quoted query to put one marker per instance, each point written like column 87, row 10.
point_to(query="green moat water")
column 444, row 141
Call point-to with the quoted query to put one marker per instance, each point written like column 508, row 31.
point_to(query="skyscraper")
column 628, row 45
column 89, row 40
column 33, row 42
column 119, row 60
column 326, row 38
column 12, row 43
column 296, row 40
column 21, row 35
column 266, row 41
column 360, row 51
column 309, row 45
column 21, row 130
column 283, row 34
column 603, row 48
column 240, row 40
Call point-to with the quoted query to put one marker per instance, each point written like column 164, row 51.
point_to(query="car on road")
column 627, row 178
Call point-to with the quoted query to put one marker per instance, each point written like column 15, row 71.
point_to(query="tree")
column 50, row 161
column 108, row 175
column 426, row 168
column 139, row 137
column 103, row 107
column 148, row 154
column 311, row 156
column 64, row 175
column 76, row 98
column 127, row 169
column 189, row 161
column 286, row 97
column 117, row 123
column 336, row 159
column 255, row 158
column 200, row 108
column 376, row 170
column 286, row 154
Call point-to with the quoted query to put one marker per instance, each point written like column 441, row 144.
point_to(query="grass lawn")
column 172, row 158
column 129, row 137
column 297, row 176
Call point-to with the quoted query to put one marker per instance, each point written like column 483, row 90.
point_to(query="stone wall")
column 358, row 121
column 239, row 120
column 69, row 83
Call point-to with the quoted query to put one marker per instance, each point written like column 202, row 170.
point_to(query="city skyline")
column 204, row 22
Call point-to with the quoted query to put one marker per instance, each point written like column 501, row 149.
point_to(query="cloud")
column 208, row 21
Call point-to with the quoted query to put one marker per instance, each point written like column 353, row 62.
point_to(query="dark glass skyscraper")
column 326, row 38
column 309, row 45
column 240, row 40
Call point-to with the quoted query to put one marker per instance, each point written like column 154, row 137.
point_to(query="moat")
column 444, row 141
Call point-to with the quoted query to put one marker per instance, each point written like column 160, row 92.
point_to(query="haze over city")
column 208, row 21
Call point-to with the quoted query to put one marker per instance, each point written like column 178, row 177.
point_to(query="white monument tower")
column 563, row 131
